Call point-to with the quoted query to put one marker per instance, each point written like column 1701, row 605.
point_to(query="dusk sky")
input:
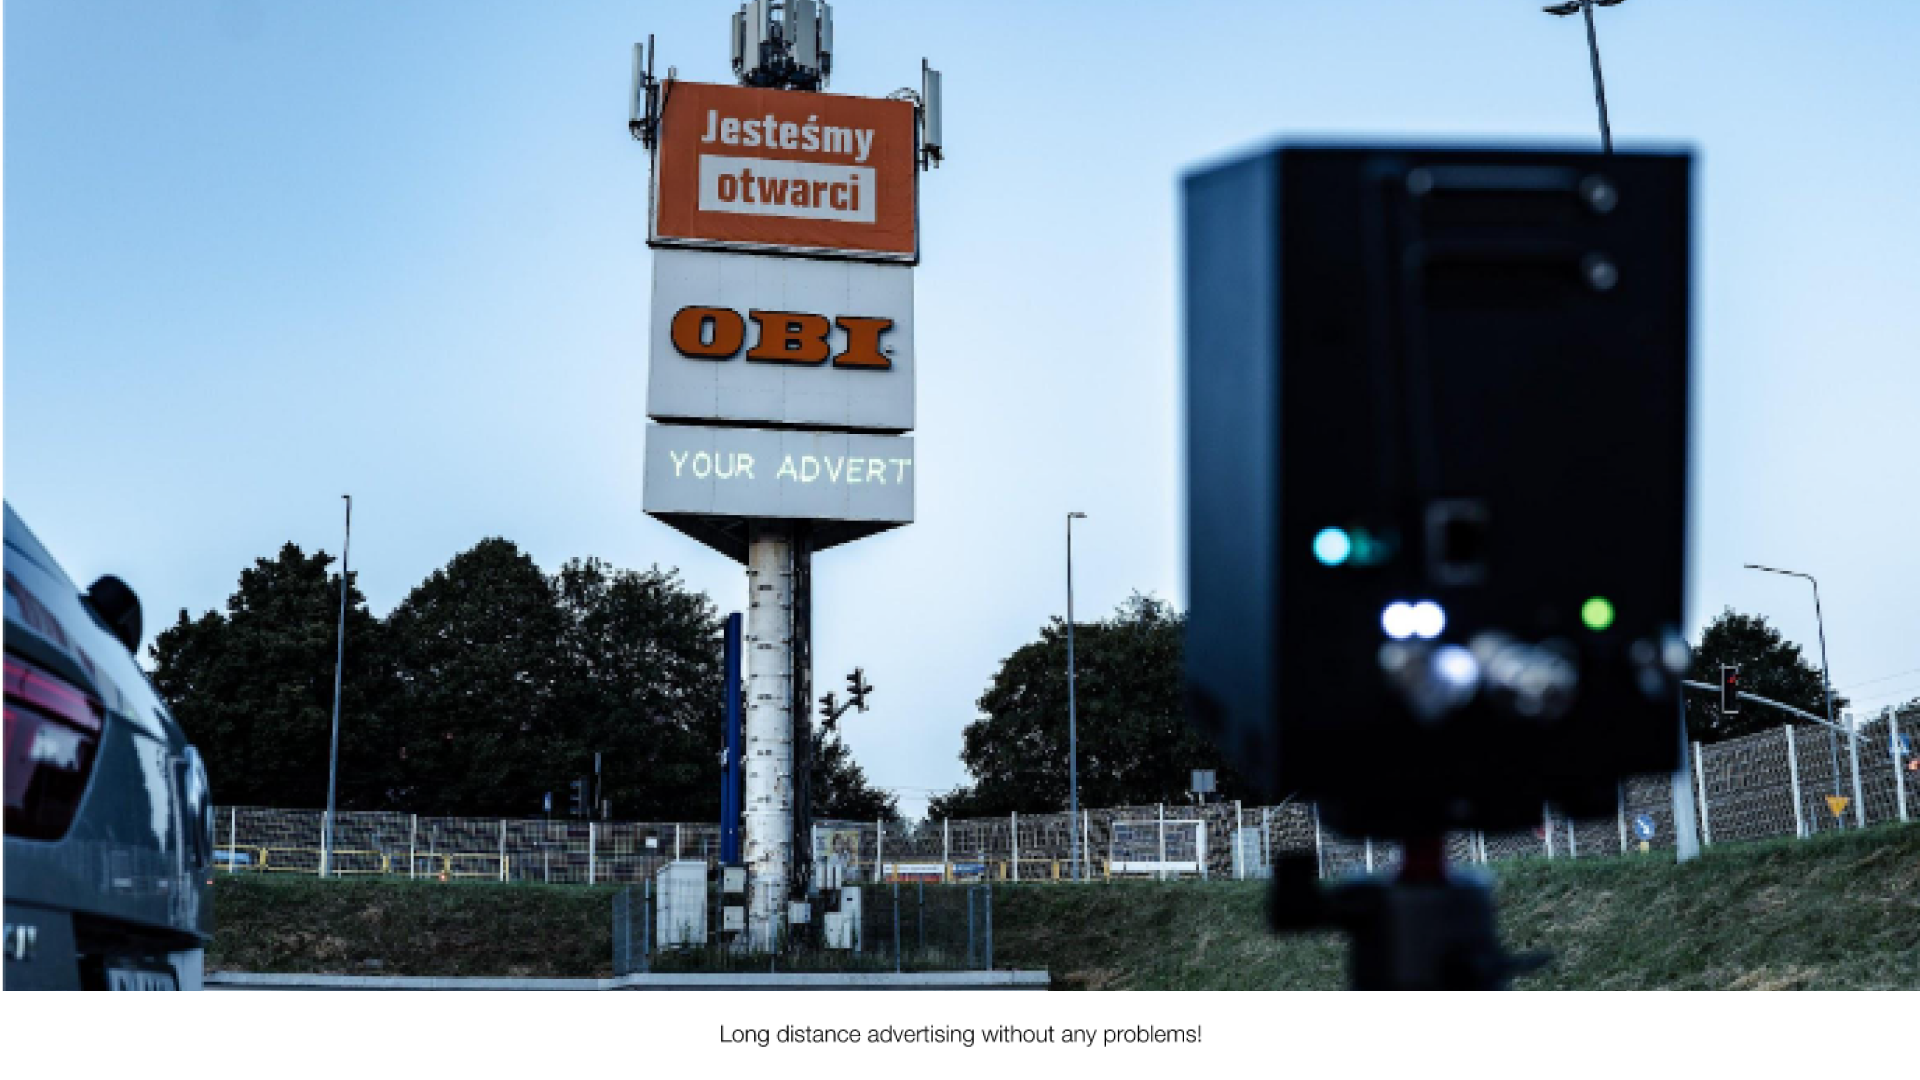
column 260, row 254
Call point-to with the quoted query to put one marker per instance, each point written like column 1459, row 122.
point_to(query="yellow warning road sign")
column 1838, row 804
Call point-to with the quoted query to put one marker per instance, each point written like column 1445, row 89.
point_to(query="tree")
column 1136, row 746
column 1770, row 666
column 253, row 687
column 491, row 685
column 479, row 652
column 648, row 658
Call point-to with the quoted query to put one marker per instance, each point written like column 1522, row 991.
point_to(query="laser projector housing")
column 1437, row 462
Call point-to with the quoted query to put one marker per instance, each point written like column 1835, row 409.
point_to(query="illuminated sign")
column 759, row 473
column 777, row 171
column 813, row 343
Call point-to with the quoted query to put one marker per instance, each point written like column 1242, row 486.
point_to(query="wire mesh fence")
column 1791, row 781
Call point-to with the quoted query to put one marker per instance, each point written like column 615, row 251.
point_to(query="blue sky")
column 259, row 254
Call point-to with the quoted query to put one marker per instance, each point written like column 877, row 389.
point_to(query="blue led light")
column 1332, row 546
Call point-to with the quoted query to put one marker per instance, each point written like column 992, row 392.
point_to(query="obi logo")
column 784, row 337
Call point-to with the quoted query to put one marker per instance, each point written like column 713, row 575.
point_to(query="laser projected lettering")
column 779, row 474
column 799, row 469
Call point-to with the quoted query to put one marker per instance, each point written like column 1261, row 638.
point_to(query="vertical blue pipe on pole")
column 730, row 774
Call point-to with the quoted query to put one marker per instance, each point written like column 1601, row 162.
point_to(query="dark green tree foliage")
column 1136, row 746
column 253, row 686
column 489, row 686
column 1770, row 666
column 646, row 656
column 479, row 649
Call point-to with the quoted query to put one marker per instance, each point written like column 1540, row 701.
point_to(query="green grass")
column 364, row 926
column 1841, row 911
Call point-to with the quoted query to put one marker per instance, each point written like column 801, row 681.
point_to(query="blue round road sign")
column 1643, row 826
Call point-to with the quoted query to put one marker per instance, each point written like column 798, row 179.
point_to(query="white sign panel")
column 757, row 473
column 782, row 341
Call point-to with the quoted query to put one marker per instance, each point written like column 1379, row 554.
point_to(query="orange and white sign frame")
column 784, row 172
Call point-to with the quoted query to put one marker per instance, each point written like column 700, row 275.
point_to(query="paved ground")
column 935, row 980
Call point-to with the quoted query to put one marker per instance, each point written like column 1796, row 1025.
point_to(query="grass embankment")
column 394, row 927
column 1840, row 911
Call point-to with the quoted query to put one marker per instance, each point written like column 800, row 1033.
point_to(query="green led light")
column 1597, row 613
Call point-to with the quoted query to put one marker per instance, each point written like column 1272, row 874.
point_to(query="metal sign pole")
column 339, row 665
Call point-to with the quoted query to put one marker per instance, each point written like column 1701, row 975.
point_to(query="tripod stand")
column 1427, row 929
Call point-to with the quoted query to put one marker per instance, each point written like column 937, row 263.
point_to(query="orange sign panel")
column 783, row 170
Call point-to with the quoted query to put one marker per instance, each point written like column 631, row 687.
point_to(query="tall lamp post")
column 1585, row 7
column 1826, row 683
column 339, row 663
column 1073, row 717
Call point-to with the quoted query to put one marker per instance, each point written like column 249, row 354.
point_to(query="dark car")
column 109, row 831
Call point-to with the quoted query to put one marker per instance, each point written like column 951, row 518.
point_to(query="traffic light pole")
column 1833, row 732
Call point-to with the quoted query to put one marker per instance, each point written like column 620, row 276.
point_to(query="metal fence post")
column 1239, row 862
column 1369, row 854
column 593, row 853
column 1700, row 784
column 1793, row 780
column 1893, row 753
column 676, row 841
column 972, row 949
column 1014, row 834
column 1620, row 811
column 1086, row 837
column 1480, row 839
column 503, row 849
column 1546, row 831
column 1853, row 759
column 413, row 828
column 646, row 925
column 989, row 897
column 233, row 825
column 946, row 851
column 1573, row 839
column 879, row 849
column 1319, row 849
column 896, row 928
column 1266, row 836
column 1163, row 840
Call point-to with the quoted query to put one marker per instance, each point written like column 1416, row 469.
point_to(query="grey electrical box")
column 733, row 879
column 733, row 919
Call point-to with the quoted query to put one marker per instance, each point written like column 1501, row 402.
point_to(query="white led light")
column 1428, row 620
column 1398, row 620
column 1456, row 668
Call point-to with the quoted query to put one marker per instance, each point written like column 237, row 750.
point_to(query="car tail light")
column 52, row 737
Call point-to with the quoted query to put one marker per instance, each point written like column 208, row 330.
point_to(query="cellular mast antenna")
column 793, row 51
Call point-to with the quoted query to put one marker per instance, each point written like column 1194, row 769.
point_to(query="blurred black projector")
column 1437, row 454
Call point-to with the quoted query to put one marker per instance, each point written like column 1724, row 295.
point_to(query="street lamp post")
column 1826, row 683
column 1073, row 718
column 1585, row 7
column 339, row 663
